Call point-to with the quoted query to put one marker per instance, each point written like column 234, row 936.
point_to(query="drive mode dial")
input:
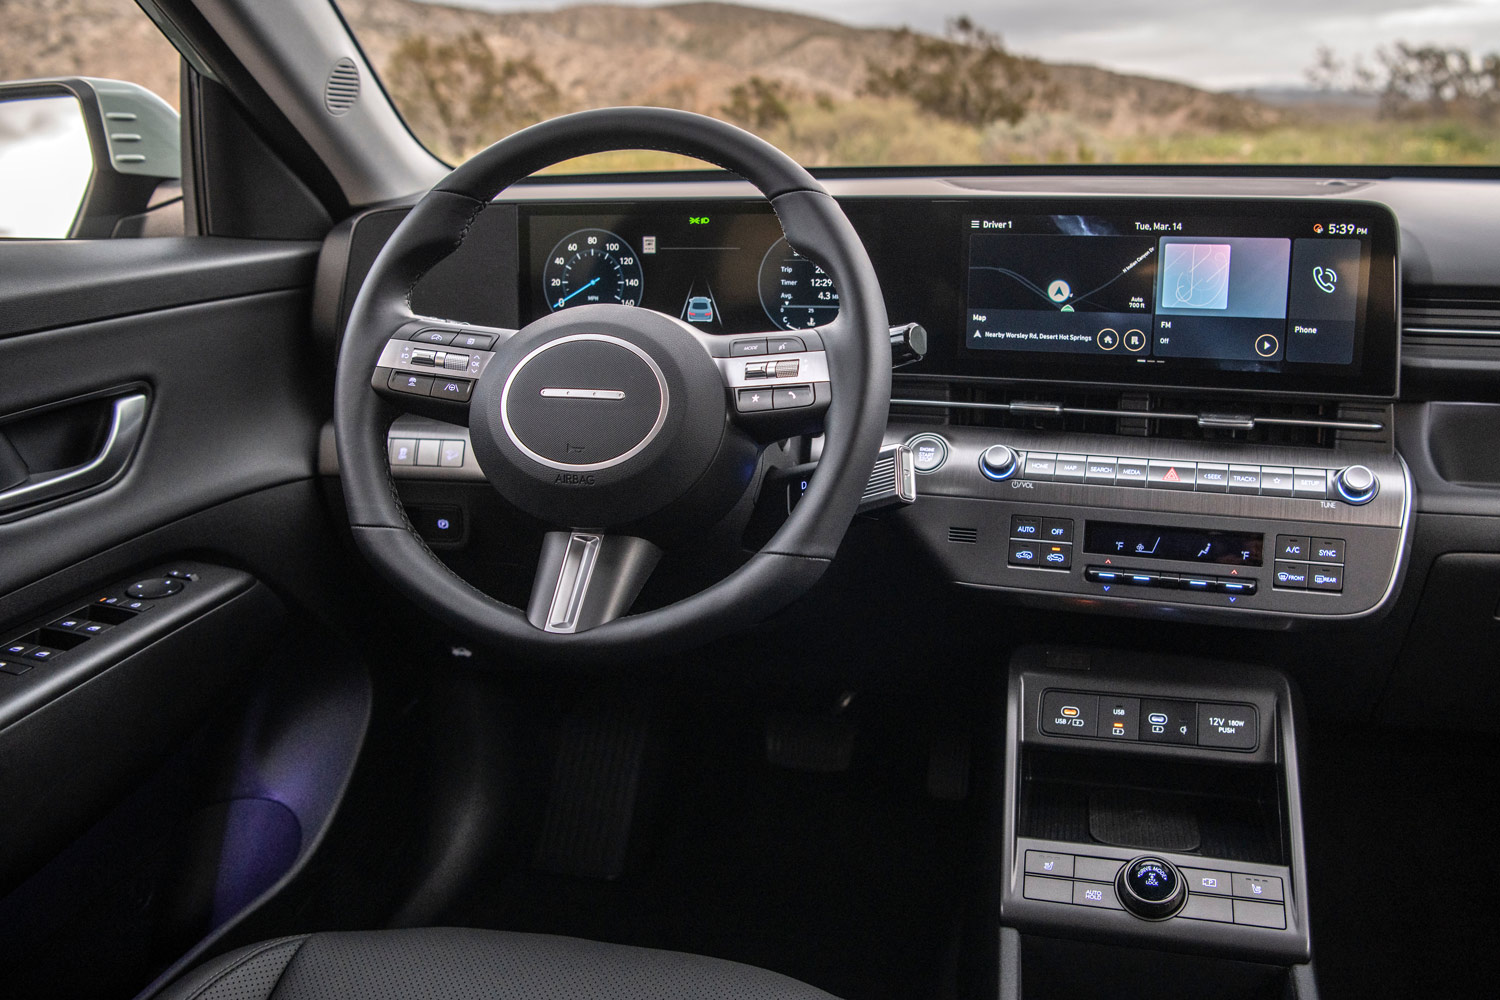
column 1151, row 888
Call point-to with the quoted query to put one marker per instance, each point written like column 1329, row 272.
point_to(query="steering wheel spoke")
column 585, row 579
column 431, row 366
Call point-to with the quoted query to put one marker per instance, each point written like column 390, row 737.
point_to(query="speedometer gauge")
column 795, row 292
column 592, row 265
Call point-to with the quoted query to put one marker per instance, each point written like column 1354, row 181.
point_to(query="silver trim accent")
column 1450, row 331
column 1244, row 423
column 397, row 353
column 661, row 414
column 573, row 582
column 127, row 422
column 583, row 393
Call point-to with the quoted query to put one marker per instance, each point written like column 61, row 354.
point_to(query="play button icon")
column 1266, row 345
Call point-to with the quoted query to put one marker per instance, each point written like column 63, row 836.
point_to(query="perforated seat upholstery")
column 447, row 963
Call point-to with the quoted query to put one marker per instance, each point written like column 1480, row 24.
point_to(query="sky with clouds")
column 1219, row 44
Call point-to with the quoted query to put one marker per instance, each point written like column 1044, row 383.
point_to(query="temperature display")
column 1149, row 541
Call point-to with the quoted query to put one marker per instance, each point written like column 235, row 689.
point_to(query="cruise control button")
column 454, row 390
column 784, row 345
column 1025, row 553
column 412, row 385
column 1066, row 713
column 1265, row 887
column 1173, row 475
column 792, row 397
column 752, row 400
column 1291, row 575
column 1294, row 547
column 1327, row 550
column 1275, row 482
column 1132, row 472
column 1325, row 578
column 1244, row 479
column 1212, row 478
column 746, row 348
column 440, row 337
column 1228, row 727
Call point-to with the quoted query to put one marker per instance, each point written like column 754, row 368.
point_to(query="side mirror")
column 88, row 158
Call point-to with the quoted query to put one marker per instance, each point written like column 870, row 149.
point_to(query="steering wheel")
column 622, row 427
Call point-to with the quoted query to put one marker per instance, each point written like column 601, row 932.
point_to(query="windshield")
column 880, row 83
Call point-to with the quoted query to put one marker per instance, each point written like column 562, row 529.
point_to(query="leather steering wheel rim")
column 858, row 358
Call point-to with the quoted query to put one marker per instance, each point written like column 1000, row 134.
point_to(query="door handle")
column 127, row 422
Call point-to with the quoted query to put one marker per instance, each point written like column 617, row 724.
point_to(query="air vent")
column 342, row 89
column 1171, row 416
column 1438, row 318
column 963, row 536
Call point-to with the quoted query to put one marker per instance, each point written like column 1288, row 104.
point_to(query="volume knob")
column 1356, row 484
column 998, row 462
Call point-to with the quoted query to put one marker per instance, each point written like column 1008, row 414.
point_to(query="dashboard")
column 1131, row 403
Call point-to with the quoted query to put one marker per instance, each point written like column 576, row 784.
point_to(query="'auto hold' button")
column 1066, row 713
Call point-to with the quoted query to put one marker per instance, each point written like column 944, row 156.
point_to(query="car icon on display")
column 700, row 309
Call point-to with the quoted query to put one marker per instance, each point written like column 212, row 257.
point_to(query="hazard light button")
column 1173, row 475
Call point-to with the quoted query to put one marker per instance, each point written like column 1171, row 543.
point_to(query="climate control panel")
column 1218, row 530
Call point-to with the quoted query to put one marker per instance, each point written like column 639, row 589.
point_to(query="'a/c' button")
column 1066, row 713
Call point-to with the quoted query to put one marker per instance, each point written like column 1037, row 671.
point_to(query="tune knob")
column 998, row 462
column 1356, row 484
column 1151, row 888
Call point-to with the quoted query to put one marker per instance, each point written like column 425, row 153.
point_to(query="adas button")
column 1151, row 888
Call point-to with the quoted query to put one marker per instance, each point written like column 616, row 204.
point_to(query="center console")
column 1153, row 803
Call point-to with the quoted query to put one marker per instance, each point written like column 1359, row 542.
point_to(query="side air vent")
column 1435, row 318
column 963, row 536
column 342, row 88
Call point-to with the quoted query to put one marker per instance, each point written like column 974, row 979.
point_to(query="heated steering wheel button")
column 793, row 397
column 156, row 587
column 752, row 400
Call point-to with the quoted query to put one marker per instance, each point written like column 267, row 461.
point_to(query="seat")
column 450, row 963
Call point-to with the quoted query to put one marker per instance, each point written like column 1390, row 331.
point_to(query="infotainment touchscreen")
column 1295, row 299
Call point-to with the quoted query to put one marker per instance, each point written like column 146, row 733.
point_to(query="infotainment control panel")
column 1186, row 528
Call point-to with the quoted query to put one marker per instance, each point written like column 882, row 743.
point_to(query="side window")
column 89, row 132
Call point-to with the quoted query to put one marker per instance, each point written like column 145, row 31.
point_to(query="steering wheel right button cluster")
column 1151, row 888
